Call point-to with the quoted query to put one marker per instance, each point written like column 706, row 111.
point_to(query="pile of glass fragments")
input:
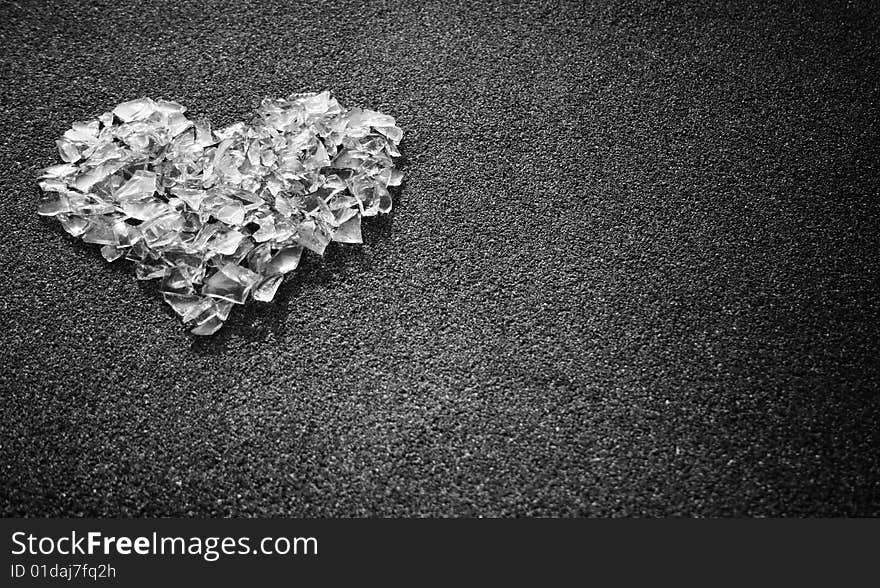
column 221, row 216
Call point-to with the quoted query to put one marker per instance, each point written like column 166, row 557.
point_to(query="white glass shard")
column 52, row 204
column 141, row 183
column 100, row 233
column 83, row 132
column 59, row 171
column 135, row 109
column 286, row 260
column 68, row 151
column 111, row 252
column 393, row 133
column 145, row 209
column 313, row 235
column 226, row 242
column 349, row 231
column 182, row 303
column 266, row 290
column 231, row 282
column 231, row 213
column 193, row 308
column 266, row 230
column 75, row 225
column 204, row 136
column 209, row 327
column 192, row 197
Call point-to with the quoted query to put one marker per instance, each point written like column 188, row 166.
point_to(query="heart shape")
column 221, row 216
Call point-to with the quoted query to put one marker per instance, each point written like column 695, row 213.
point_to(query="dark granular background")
column 633, row 269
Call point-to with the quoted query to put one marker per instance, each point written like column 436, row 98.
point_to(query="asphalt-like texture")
column 633, row 269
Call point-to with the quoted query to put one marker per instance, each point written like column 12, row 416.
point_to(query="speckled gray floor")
column 633, row 269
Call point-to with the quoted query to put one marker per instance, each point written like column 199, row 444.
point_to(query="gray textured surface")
column 633, row 269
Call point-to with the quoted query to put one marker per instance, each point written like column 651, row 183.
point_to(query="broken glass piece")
column 342, row 215
column 67, row 150
column 135, row 109
column 51, row 205
column 220, row 216
column 349, row 231
column 286, row 260
column 141, row 183
column 58, row 171
column 144, row 209
column 266, row 230
column 100, row 232
column 182, row 303
column 222, row 309
column 192, row 197
column 209, row 327
column 83, row 132
column 259, row 256
column 176, row 281
column 75, row 225
column 313, row 235
column 266, row 290
column 393, row 133
column 384, row 199
column 148, row 271
column 226, row 243
column 111, row 252
column 231, row 282
column 231, row 213
column 208, row 317
column 193, row 309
